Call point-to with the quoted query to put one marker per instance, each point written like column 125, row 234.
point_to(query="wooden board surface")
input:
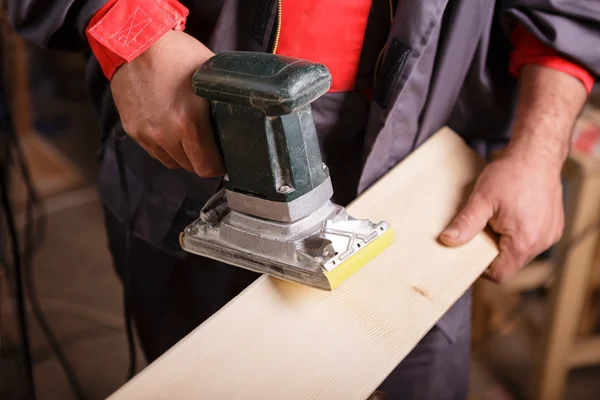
column 279, row 340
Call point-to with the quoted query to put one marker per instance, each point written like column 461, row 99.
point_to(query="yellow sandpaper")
column 356, row 261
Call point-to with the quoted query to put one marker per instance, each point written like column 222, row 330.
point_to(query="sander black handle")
column 275, row 84
column 261, row 115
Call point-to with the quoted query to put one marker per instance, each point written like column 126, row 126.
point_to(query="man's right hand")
column 159, row 109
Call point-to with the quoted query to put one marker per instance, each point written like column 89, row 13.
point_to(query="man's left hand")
column 520, row 197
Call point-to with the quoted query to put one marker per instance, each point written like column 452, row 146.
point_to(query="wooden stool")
column 564, row 340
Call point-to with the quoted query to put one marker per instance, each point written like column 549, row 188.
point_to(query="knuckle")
column 530, row 240
column 500, row 277
column 497, row 275
column 503, row 274
column 492, row 274
column 167, row 161
column 170, row 164
column 130, row 128
column 205, row 171
column 542, row 242
column 180, row 125
column 522, row 245
column 551, row 240
column 158, row 137
column 156, row 157
column 561, row 224
column 184, row 125
column 211, row 173
column 546, row 245
column 480, row 197
column 464, row 219
column 488, row 202
column 559, row 232
column 557, row 237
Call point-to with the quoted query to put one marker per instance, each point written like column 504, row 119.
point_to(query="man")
column 489, row 69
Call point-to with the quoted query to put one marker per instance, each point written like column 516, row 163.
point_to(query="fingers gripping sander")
column 274, row 214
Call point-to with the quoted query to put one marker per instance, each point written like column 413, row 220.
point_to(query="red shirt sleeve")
column 123, row 29
column 527, row 49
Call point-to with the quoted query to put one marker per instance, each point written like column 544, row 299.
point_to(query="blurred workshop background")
column 534, row 335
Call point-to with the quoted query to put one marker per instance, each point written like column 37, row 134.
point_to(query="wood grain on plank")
column 279, row 340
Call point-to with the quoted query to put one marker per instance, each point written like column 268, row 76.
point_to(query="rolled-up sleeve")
column 571, row 28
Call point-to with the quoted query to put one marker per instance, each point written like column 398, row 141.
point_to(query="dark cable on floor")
column 127, row 312
column 18, row 275
column 32, row 291
column 24, row 267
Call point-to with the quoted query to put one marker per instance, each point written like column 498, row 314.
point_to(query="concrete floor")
column 81, row 295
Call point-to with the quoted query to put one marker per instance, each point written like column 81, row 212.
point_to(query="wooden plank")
column 279, row 340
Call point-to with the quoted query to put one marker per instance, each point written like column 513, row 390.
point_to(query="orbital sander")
column 274, row 213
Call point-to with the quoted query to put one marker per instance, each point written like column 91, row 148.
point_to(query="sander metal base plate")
column 320, row 250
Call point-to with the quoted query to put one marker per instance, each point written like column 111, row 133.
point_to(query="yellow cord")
column 383, row 49
column 278, row 27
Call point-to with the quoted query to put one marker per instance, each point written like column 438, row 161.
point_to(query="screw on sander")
column 274, row 214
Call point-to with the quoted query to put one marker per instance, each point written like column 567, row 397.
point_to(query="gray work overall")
column 446, row 63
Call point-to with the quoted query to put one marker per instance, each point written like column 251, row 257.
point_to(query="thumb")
column 471, row 220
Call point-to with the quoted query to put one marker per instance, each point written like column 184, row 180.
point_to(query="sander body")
column 274, row 213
